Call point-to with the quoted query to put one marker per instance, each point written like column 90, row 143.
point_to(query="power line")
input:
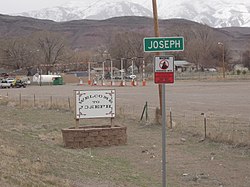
column 92, row 5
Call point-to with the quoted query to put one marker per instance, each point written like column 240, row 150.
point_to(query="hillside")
column 89, row 34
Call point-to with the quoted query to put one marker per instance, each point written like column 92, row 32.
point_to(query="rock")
column 201, row 140
column 183, row 140
column 195, row 179
column 203, row 176
column 152, row 156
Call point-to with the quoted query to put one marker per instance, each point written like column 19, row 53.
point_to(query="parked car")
column 130, row 76
column 10, row 80
column 5, row 84
column 19, row 84
column 117, row 77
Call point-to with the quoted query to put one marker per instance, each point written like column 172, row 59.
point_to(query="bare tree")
column 127, row 45
column 80, row 60
column 17, row 53
column 52, row 49
column 201, row 46
column 246, row 59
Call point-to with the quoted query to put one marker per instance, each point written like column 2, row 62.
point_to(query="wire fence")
column 227, row 129
column 206, row 75
column 233, row 130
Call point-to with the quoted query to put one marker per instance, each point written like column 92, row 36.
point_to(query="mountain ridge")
column 89, row 34
column 215, row 13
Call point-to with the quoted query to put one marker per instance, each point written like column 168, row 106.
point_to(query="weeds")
column 220, row 129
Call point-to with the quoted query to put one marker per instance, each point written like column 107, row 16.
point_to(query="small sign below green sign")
column 158, row 44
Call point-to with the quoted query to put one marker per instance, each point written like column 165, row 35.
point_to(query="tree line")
column 51, row 51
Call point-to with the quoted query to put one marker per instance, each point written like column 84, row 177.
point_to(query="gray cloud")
column 15, row 6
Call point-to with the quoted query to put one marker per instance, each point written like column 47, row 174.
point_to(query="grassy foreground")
column 32, row 154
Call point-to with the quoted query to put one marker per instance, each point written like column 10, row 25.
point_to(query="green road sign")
column 165, row 44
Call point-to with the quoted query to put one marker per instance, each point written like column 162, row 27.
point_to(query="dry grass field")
column 32, row 152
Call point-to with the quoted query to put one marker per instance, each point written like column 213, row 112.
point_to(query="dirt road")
column 223, row 98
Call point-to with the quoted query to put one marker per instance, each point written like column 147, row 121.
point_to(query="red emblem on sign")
column 164, row 64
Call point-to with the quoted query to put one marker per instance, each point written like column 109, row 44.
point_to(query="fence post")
column 171, row 120
column 34, row 100
column 20, row 99
column 50, row 101
column 205, row 125
column 77, row 124
column 145, row 110
column 69, row 103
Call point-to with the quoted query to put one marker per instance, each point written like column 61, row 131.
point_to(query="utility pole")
column 103, row 72
column 223, row 61
column 122, row 73
column 223, row 58
column 111, row 71
column 157, row 34
column 161, row 88
column 40, row 77
column 143, row 73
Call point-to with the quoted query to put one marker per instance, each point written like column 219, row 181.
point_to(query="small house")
column 183, row 65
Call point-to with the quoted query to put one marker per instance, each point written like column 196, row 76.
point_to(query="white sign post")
column 94, row 104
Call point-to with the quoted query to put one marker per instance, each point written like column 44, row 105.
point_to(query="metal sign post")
column 164, row 73
column 164, row 169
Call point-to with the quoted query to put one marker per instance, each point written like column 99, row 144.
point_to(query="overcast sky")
column 18, row 6
column 15, row 6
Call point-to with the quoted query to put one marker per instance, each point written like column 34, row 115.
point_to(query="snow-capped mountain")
column 216, row 13
column 76, row 10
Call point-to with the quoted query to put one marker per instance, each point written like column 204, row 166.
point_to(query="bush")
column 238, row 72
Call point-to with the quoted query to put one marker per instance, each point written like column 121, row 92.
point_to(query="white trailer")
column 44, row 78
